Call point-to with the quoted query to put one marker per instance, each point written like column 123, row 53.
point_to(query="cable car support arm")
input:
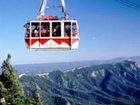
column 41, row 13
column 64, row 9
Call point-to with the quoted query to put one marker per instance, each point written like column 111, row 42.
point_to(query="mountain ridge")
column 48, row 67
column 115, row 83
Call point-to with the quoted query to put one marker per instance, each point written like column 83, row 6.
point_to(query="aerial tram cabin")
column 50, row 32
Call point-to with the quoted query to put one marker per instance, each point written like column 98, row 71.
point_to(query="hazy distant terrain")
column 48, row 67
column 113, row 84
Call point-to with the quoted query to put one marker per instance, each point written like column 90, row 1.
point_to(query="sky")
column 108, row 29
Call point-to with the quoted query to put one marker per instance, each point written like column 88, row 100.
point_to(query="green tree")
column 2, row 94
column 14, row 94
column 11, row 92
column 38, row 96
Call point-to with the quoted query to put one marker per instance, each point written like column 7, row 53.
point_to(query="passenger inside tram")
column 35, row 31
column 27, row 32
column 56, row 29
column 74, row 30
column 67, row 29
column 45, row 32
column 27, row 26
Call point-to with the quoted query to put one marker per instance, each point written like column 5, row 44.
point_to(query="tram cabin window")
column 56, row 29
column 27, row 26
column 74, row 29
column 35, row 29
column 67, row 29
column 45, row 29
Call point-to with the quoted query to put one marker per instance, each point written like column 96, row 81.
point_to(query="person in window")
column 74, row 30
column 67, row 30
column 54, row 31
column 45, row 31
column 27, row 26
column 36, row 31
column 57, row 31
column 27, row 32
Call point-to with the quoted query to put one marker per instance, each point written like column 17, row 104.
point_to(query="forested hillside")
column 115, row 84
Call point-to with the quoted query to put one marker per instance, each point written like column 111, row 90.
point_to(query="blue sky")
column 108, row 29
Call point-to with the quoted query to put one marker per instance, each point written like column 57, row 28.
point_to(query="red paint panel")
column 43, row 41
column 33, row 41
column 27, row 41
column 68, row 41
column 60, row 41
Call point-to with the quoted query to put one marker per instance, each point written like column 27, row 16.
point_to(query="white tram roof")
column 52, row 21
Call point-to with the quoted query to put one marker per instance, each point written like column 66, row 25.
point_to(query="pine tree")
column 11, row 92
column 14, row 94
column 38, row 95
column 2, row 94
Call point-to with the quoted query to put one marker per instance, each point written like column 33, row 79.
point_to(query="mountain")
column 113, row 84
column 48, row 67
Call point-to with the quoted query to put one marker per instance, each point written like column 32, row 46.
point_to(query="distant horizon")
column 107, row 59
column 52, row 66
